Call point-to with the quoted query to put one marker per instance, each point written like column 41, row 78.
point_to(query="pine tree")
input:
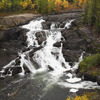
column 92, row 14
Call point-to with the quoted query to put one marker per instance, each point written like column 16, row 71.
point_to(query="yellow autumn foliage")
column 80, row 2
column 32, row 6
column 25, row 4
column 51, row 5
column 83, row 97
column 58, row 1
column 65, row 3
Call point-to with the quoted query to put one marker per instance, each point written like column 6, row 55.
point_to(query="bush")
column 89, row 62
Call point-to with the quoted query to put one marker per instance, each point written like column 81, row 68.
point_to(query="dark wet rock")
column 50, row 68
column 88, row 77
column 26, row 69
column 1, row 78
column 33, row 51
column 40, row 34
column 57, row 44
column 68, row 71
column 79, row 74
column 24, row 49
column 6, row 71
column 57, row 24
column 17, row 61
column 85, row 32
column 71, row 55
column 16, row 70
column 34, row 63
column 31, row 54
column 46, row 25
column 62, row 25
column 0, row 45
column 37, row 48
column 16, row 33
column 71, row 35
column 73, row 45
column 98, row 80
column 6, row 56
column 41, row 37
column 13, row 41
column 2, row 35
column 41, row 40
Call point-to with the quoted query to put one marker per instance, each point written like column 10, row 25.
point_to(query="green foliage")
column 42, row 6
column 89, row 62
column 92, row 14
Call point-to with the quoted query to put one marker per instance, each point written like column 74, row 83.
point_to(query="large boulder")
column 88, row 77
column 46, row 25
column 71, row 55
column 41, row 37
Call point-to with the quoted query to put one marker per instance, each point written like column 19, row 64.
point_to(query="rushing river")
column 53, row 72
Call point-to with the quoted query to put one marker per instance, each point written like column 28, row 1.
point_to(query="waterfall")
column 48, row 57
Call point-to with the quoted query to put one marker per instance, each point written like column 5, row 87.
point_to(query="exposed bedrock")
column 13, row 41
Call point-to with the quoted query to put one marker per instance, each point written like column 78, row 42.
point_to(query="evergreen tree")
column 92, row 14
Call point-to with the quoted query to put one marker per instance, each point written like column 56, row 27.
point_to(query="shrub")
column 89, row 62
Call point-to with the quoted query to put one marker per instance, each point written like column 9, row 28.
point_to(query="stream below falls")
column 51, row 77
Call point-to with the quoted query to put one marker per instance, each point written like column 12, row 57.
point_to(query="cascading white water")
column 45, row 57
column 51, row 56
